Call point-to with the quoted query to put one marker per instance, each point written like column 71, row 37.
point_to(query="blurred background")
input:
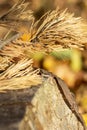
column 69, row 65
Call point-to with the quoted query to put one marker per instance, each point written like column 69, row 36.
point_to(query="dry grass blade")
column 19, row 49
column 3, row 63
column 11, row 53
column 19, row 15
column 19, row 76
column 16, row 51
column 61, row 29
column 13, row 50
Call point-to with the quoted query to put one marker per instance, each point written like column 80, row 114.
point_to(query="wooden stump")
column 49, row 106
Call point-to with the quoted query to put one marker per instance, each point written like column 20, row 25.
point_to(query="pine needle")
column 12, row 53
column 4, row 63
column 19, row 76
column 17, row 17
column 60, row 29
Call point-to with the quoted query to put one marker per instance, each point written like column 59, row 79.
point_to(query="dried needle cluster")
column 19, row 76
column 19, row 15
column 59, row 29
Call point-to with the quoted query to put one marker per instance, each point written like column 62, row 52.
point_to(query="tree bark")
column 49, row 106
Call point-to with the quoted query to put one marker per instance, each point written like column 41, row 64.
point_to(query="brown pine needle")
column 19, row 76
column 4, row 63
column 19, row 16
column 60, row 29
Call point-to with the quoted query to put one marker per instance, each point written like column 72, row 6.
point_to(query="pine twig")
column 58, row 30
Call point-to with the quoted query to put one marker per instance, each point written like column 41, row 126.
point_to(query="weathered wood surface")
column 49, row 106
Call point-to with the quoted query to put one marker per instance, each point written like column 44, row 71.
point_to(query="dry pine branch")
column 59, row 29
